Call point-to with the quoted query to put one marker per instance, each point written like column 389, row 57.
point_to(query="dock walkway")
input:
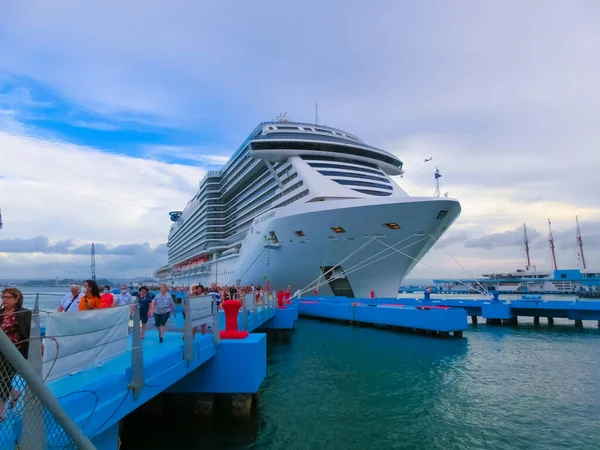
column 101, row 384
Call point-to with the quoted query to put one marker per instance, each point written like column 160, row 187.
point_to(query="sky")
column 111, row 113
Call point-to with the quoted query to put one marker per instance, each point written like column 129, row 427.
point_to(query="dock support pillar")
column 241, row 405
column 204, row 404
column 474, row 320
column 599, row 324
column 493, row 321
column 458, row 334
column 550, row 320
column 579, row 323
column 444, row 334
column 512, row 321
column 536, row 320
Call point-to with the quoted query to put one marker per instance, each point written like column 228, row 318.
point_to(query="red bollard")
column 231, row 331
column 286, row 298
column 372, row 294
column 280, row 299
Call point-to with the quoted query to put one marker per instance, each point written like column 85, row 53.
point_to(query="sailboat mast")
column 580, row 243
column 526, row 245
column 551, row 240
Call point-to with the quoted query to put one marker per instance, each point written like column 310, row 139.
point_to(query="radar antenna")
column 282, row 118
column 437, row 182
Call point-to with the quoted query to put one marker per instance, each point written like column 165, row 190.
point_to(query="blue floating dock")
column 285, row 318
column 428, row 318
column 501, row 311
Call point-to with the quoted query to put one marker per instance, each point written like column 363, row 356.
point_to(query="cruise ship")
column 304, row 206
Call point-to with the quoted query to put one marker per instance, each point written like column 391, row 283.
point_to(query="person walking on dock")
column 16, row 323
column 145, row 302
column 161, row 307
column 123, row 298
column 91, row 298
column 70, row 302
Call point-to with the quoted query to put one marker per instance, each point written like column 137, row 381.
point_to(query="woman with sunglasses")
column 15, row 321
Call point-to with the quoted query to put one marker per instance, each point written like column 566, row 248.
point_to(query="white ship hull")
column 300, row 261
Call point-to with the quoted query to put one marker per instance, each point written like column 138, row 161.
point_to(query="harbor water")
column 340, row 387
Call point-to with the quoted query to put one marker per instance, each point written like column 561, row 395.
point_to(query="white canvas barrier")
column 201, row 309
column 249, row 301
column 85, row 339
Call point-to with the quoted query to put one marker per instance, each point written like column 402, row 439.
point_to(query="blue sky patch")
column 45, row 114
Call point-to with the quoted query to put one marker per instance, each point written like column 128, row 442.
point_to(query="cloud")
column 506, row 239
column 40, row 244
column 207, row 157
column 65, row 194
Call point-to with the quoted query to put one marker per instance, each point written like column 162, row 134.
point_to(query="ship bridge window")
column 331, row 173
column 363, row 183
column 330, row 148
column 338, row 229
column 340, row 166
column 370, row 192
column 338, row 159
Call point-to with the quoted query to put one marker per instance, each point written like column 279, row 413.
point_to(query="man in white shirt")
column 123, row 298
column 70, row 302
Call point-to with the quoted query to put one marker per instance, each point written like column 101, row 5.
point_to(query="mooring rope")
column 333, row 267
column 460, row 265
column 432, row 268
column 327, row 248
column 361, row 264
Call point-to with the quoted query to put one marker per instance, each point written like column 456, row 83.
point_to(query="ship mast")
column 551, row 240
column 580, row 243
column 437, row 182
column 526, row 245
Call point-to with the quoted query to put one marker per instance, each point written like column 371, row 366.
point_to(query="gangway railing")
column 35, row 420
column 250, row 305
